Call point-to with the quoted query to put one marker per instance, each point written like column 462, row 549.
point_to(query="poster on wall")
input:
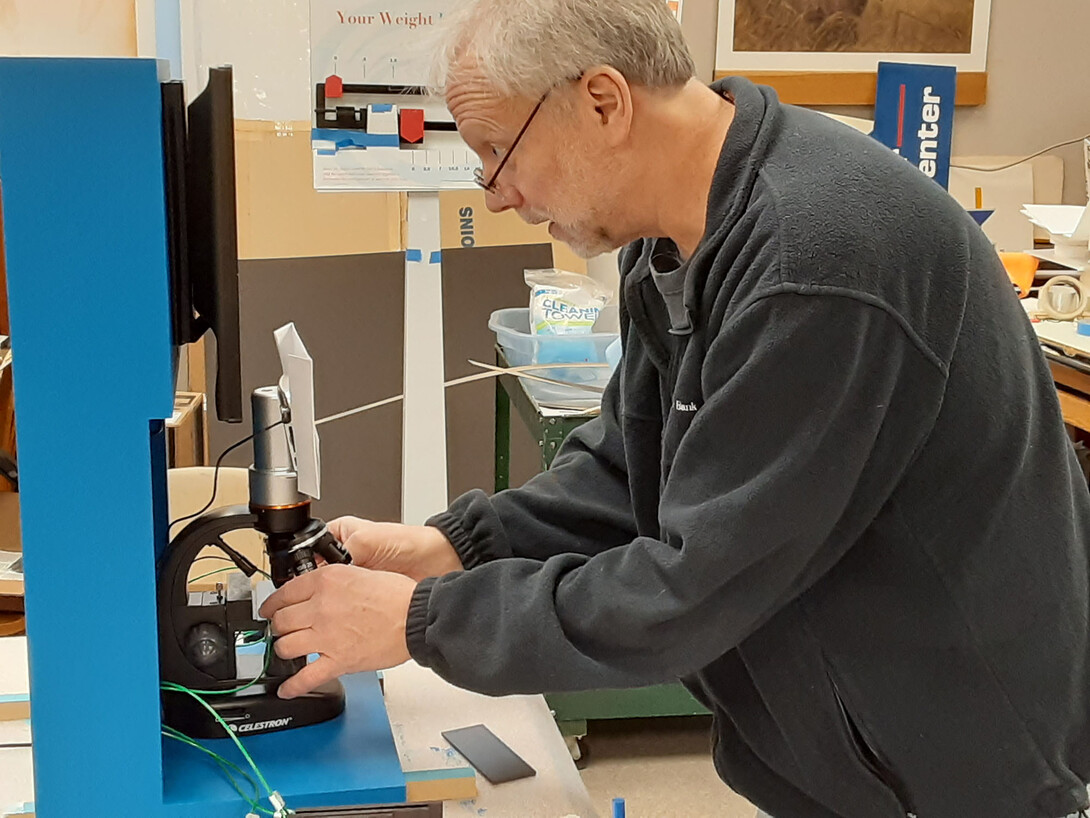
column 850, row 35
column 374, row 127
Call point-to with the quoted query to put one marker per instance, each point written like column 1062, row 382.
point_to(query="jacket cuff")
column 451, row 527
column 416, row 625
column 474, row 529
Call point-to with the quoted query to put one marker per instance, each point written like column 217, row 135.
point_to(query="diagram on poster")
column 374, row 128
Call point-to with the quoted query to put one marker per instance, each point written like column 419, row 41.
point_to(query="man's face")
column 555, row 174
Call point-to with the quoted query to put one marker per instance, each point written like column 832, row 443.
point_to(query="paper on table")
column 1071, row 221
column 297, row 383
column 11, row 565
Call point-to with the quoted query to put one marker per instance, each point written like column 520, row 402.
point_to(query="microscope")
column 207, row 639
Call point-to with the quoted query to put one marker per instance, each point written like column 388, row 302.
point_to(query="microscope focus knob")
column 206, row 644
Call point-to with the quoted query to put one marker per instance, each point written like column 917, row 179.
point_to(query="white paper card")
column 297, row 383
column 1070, row 221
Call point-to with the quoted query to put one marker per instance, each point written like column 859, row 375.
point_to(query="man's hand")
column 417, row 551
column 352, row 617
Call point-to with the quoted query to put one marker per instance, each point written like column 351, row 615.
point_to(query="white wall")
column 603, row 269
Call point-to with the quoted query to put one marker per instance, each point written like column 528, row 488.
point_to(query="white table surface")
column 421, row 706
column 1062, row 334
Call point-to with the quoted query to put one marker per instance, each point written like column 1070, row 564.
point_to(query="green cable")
column 213, row 573
column 223, row 763
column 225, row 571
column 225, row 766
column 230, row 733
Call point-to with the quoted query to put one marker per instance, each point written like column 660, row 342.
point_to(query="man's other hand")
column 353, row 618
column 417, row 551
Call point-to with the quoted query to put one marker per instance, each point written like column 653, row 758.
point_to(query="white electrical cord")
column 1025, row 158
column 494, row 372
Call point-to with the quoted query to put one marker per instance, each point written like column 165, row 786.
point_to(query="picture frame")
column 819, row 52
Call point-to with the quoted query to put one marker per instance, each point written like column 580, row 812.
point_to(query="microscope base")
column 252, row 712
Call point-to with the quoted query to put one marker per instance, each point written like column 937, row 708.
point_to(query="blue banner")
column 914, row 115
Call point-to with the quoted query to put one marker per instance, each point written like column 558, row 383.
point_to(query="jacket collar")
column 755, row 124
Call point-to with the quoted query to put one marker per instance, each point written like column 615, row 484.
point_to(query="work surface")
column 420, row 706
column 1061, row 334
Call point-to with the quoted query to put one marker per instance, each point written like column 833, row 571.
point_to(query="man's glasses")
column 478, row 174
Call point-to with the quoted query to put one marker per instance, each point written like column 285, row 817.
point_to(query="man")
column 830, row 489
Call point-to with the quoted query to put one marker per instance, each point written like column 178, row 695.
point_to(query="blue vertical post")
column 85, row 235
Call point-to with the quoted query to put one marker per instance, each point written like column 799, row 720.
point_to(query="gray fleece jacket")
column 842, row 509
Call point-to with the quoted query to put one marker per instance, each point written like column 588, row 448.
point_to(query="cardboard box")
column 185, row 431
column 281, row 215
column 10, row 530
column 465, row 221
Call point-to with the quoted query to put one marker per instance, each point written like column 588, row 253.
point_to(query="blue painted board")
column 350, row 760
column 85, row 243
column 86, row 257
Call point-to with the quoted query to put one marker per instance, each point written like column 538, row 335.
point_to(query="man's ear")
column 608, row 93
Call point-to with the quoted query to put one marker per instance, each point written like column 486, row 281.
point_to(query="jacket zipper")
column 869, row 757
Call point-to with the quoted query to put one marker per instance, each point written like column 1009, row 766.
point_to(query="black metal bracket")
column 353, row 118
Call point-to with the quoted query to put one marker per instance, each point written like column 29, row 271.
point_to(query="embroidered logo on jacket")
column 684, row 407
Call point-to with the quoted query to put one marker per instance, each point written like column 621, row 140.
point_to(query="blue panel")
column 85, row 226
column 914, row 115
column 349, row 760
column 86, row 250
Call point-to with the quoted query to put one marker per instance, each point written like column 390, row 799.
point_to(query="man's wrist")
column 443, row 558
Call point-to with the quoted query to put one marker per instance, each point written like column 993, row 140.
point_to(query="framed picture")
column 839, row 37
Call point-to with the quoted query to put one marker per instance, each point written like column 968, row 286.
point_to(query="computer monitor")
column 199, row 154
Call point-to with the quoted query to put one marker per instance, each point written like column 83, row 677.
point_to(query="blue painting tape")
column 437, row 257
column 414, row 255
column 382, row 109
column 1083, row 327
column 345, row 138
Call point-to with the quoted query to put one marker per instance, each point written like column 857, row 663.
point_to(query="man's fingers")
column 293, row 618
column 294, row 645
column 342, row 527
column 317, row 673
column 294, row 591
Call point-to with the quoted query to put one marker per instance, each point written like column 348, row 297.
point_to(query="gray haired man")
column 830, row 489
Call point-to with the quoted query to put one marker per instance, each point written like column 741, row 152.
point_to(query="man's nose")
column 502, row 197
